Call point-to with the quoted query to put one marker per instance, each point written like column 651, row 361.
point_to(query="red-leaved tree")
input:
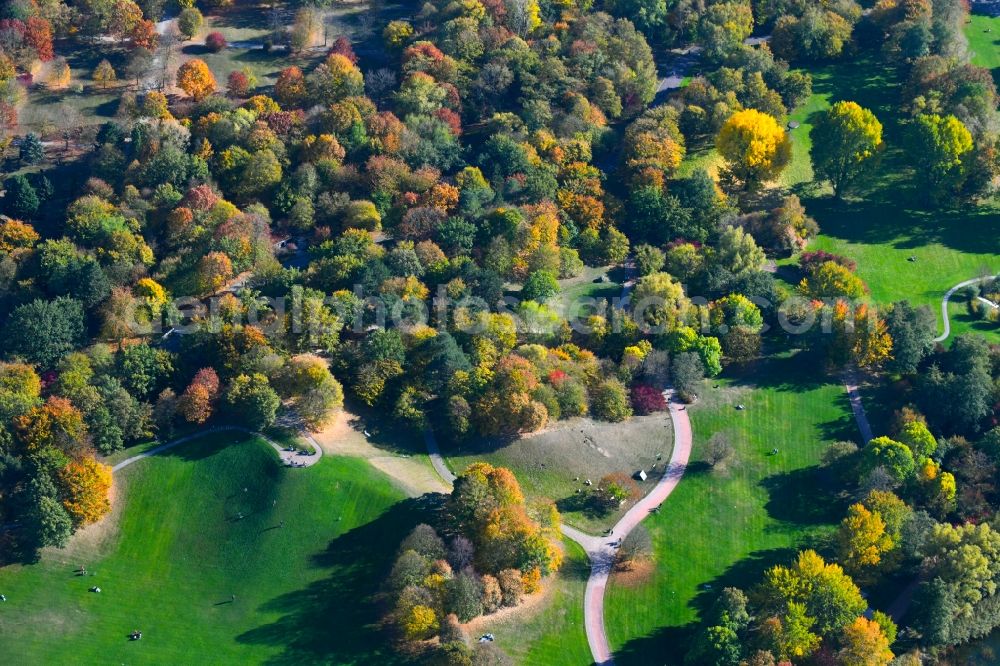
column 646, row 399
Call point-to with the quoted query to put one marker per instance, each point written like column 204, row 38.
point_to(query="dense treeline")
column 500, row 148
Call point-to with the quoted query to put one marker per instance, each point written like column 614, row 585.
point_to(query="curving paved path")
column 601, row 550
column 290, row 458
column 944, row 304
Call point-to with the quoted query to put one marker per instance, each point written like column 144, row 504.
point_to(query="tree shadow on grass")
column 204, row 445
column 795, row 371
column 803, row 496
column 585, row 503
column 668, row 645
column 336, row 620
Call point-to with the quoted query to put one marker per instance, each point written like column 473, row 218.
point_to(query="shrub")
column 610, row 402
column 646, row 399
column 215, row 42
column 809, row 261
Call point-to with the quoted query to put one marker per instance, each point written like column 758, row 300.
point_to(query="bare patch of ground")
column 92, row 541
column 556, row 462
column 412, row 474
column 639, row 574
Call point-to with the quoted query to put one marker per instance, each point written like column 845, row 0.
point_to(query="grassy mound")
column 302, row 551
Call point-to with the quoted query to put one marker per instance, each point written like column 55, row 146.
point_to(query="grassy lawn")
column 722, row 528
column 548, row 463
column 578, row 296
column 886, row 225
column 985, row 46
column 170, row 568
column 552, row 634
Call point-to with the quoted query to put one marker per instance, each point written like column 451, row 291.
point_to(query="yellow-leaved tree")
column 756, row 148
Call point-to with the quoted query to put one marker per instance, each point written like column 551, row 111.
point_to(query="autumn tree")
column 214, row 269
column 335, row 79
column 104, row 74
column 290, row 88
column 195, row 78
column 832, row 280
column 198, row 400
column 845, row 140
column 864, row 644
column 85, row 484
column 238, row 84
column 59, row 74
column 937, row 146
column 307, row 28
column 756, row 148
column 862, row 540
column 215, row 42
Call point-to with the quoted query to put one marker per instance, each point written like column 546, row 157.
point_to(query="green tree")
column 189, row 22
column 687, row 371
column 845, row 139
column 143, row 369
column 913, row 330
column 722, row 28
column 43, row 331
column 658, row 300
column 20, row 200
column 32, row 151
column 895, row 458
column 251, row 399
column 540, row 286
column 649, row 259
column 828, row 594
column 465, row 596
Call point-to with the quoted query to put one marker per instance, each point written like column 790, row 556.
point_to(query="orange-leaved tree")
column 85, row 484
column 195, row 78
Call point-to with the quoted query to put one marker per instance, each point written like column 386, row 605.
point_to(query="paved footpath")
column 944, row 304
column 851, row 383
column 294, row 458
column 601, row 550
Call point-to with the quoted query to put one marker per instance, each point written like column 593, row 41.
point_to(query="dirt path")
column 944, row 304
column 345, row 437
